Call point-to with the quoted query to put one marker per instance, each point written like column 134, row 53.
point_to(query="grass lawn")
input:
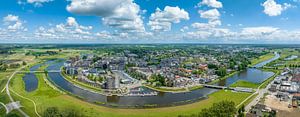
column 284, row 53
column 243, row 83
column 3, row 78
column 195, row 87
column 46, row 97
column 248, row 101
column 262, row 58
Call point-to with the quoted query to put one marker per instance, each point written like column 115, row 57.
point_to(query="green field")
column 243, row 83
column 284, row 53
column 45, row 97
column 262, row 58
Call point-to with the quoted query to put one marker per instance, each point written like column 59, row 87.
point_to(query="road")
column 8, row 91
column 260, row 95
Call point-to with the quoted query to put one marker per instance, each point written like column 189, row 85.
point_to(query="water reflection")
column 30, row 82
column 251, row 74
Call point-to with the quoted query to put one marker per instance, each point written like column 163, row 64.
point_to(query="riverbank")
column 247, row 84
column 223, row 78
column 68, row 78
column 178, row 90
column 266, row 82
column 46, row 97
column 261, row 59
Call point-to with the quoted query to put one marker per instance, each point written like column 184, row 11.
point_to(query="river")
column 162, row 99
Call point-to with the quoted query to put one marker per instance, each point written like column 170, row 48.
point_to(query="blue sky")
column 150, row 21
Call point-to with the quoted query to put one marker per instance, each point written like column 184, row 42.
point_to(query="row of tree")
column 157, row 79
column 95, row 78
column 54, row 112
column 4, row 67
column 292, row 65
column 135, row 74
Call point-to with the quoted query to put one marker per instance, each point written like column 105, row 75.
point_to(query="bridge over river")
column 240, row 89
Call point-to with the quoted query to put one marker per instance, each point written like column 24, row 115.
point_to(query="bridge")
column 216, row 86
column 11, row 106
column 239, row 89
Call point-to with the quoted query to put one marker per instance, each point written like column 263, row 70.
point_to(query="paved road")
column 8, row 92
column 260, row 95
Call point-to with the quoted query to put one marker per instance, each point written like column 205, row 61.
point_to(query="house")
column 71, row 70
column 296, row 96
column 203, row 66
column 273, row 88
column 296, row 78
column 258, row 110
column 67, row 64
column 283, row 96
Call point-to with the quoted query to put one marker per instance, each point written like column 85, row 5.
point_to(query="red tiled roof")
column 297, row 94
column 296, row 78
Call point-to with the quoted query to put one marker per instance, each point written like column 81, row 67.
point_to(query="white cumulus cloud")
column 71, row 29
column 13, row 23
column 11, row 18
column 162, row 20
column 37, row 3
column 211, row 3
column 271, row 8
column 257, row 32
column 210, row 14
column 120, row 14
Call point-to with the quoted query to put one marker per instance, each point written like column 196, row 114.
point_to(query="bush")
column 12, row 115
column 54, row 112
column 221, row 109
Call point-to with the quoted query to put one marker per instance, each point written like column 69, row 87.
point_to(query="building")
column 258, row 110
column 296, row 78
column 273, row 88
column 71, row 70
column 112, row 83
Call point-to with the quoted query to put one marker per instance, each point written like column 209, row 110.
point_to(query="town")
column 168, row 70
